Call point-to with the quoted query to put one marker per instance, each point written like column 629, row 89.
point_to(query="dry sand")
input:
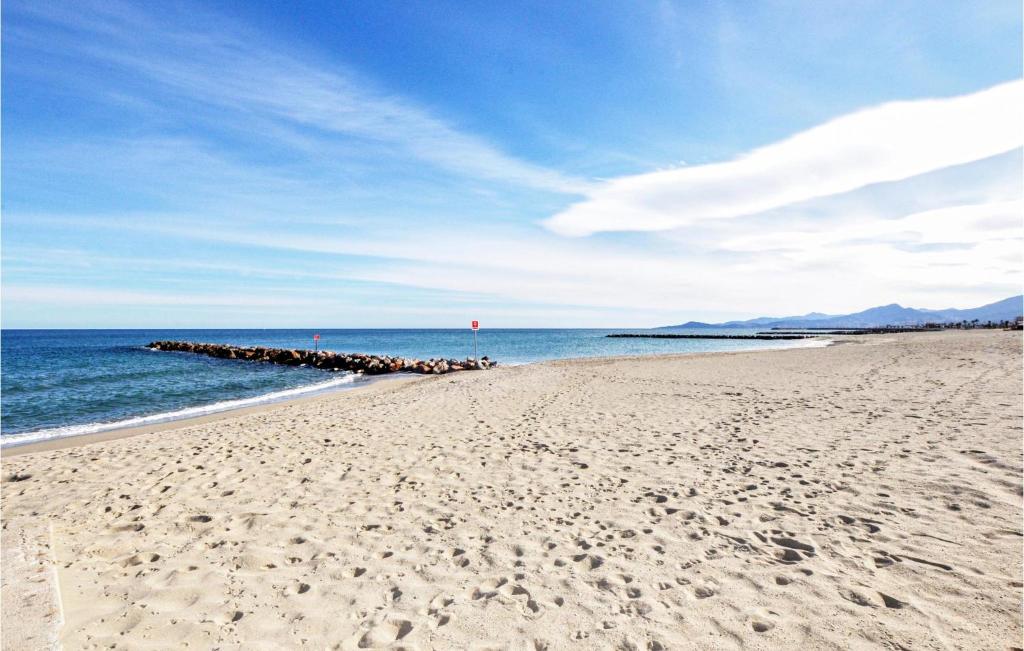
column 866, row 495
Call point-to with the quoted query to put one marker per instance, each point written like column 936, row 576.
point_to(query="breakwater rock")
column 669, row 336
column 328, row 361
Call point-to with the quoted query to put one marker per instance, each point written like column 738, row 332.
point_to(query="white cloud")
column 961, row 247
column 885, row 143
column 956, row 256
column 956, row 226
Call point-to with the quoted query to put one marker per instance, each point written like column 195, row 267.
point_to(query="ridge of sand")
column 859, row 496
column 29, row 587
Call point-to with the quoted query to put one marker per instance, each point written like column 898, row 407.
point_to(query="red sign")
column 476, row 325
column 316, row 337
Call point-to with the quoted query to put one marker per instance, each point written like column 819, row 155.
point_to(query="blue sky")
column 267, row 164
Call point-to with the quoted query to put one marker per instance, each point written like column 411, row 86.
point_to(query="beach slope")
column 865, row 495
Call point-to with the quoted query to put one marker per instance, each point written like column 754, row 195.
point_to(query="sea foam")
column 11, row 440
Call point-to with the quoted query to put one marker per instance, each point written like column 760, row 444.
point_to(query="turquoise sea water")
column 66, row 382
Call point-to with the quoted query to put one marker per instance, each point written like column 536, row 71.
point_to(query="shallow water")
column 68, row 382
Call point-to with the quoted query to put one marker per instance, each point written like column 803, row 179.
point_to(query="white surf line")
column 14, row 440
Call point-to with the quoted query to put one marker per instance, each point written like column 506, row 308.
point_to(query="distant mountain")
column 883, row 315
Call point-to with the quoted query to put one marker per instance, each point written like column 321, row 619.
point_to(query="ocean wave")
column 10, row 440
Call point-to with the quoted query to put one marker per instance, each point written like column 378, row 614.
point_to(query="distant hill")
column 883, row 315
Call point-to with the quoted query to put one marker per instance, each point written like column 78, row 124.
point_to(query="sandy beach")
column 865, row 495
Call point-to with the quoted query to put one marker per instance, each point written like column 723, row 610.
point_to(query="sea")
column 60, row 383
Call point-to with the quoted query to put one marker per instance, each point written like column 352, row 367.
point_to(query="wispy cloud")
column 968, row 251
column 976, row 245
column 50, row 294
column 224, row 66
column 965, row 226
column 890, row 142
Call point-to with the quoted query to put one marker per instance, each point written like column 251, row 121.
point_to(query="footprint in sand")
column 589, row 560
column 856, row 597
column 384, row 634
column 522, row 596
column 459, row 557
column 884, row 560
column 761, row 620
column 229, row 617
column 487, row 589
column 790, row 550
column 761, row 625
column 704, row 590
column 139, row 559
column 437, row 603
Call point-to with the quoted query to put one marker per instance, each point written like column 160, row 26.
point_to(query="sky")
column 528, row 164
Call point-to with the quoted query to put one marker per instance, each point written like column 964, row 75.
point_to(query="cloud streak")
column 225, row 67
column 890, row 142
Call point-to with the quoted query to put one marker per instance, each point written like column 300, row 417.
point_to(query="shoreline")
column 118, row 432
column 77, row 440
column 819, row 499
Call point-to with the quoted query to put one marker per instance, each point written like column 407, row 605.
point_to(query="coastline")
column 64, row 442
column 116, row 431
column 863, row 495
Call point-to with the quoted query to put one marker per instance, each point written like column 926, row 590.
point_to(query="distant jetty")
column 885, row 330
column 327, row 361
column 667, row 336
column 784, row 333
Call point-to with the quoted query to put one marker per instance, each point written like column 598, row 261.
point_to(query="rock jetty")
column 328, row 361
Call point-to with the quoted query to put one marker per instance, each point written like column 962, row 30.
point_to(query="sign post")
column 476, row 326
column 316, row 343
